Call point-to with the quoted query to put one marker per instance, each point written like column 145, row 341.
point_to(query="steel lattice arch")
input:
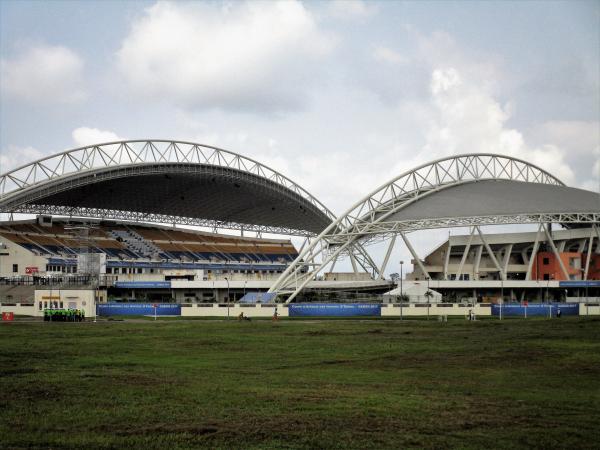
column 165, row 182
column 459, row 191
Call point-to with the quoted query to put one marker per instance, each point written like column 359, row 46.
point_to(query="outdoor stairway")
column 136, row 243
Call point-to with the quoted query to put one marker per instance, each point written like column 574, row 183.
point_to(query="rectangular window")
column 15, row 268
column 546, row 276
column 139, row 270
column 546, row 261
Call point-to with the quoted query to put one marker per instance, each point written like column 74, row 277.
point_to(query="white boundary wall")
column 447, row 309
column 234, row 311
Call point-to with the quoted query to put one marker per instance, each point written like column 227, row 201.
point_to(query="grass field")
column 301, row 384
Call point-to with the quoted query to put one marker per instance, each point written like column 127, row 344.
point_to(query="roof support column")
column 387, row 256
column 491, row 253
column 465, row 254
column 447, row 259
column 415, row 256
column 310, row 274
column 507, row 251
column 534, row 251
column 333, row 264
column 556, row 253
column 353, row 261
column 589, row 253
column 477, row 262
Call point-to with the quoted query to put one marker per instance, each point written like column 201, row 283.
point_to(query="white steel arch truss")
column 366, row 221
column 52, row 170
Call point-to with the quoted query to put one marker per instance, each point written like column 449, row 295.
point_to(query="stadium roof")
column 166, row 182
column 488, row 198
column 462, row 190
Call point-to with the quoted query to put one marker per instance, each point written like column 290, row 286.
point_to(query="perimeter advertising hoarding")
column 143, row 284
column 536, row 309
column 334, row 309
column 138, row 309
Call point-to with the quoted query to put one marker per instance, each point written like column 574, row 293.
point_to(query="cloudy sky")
column 340, row 96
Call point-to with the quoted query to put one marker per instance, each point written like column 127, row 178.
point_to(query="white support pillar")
column 561, row 246
column 597, row 228
column 353, row 262
column 524, row 255
column 333, row 264
column 581, row 244
column 447, row 259
column 414, row 255
column 491, row 253
column 312, row 273
column 507, row 251
column 536, row 246
column 556, row 253
column 465, row 254
column 589, row 254
column 477, row 261
column 387, row 256
column 364, row 259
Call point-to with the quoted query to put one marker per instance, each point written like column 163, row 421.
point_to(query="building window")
column 546, row 261
column 139, row 270
column 546, row 276
column 15, row 268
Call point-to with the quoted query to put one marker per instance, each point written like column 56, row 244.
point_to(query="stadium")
column 180, row 227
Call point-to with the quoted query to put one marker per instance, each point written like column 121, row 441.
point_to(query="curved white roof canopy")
column 164, row 181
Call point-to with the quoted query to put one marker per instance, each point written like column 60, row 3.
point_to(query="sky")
column 340, row 96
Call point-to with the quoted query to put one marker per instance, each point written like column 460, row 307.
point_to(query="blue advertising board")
column 138, row 309
column 143, row 284
column 334, row 309
column 536, row 309
column 579, row 283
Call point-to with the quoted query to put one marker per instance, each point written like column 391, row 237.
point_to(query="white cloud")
column 44, row 74
column 83, row 136
column 387, row 55
column 242, row 56
column 14, row 156
column 351, row 9
column 468, row 119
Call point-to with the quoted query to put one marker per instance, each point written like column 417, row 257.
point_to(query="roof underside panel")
column 220, row 195
column 499, row 197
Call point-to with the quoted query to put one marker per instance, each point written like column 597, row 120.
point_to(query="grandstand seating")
column 123, row 241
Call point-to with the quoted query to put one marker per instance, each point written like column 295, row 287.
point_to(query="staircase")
column 135, row 243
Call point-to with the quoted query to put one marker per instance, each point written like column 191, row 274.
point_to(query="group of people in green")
column 64, row 315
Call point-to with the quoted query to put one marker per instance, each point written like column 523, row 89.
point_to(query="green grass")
column 301, row 384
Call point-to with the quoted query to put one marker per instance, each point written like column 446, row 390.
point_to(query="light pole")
column 427, row 296
column 401, row 293
column 245, row 281
column 501, row 295
column 228, row 300
column 550, row 277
